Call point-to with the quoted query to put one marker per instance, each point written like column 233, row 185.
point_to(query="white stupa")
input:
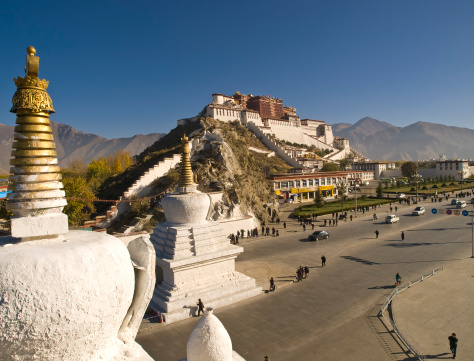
column 64, row 295
column 209, row 341
column 193, row 255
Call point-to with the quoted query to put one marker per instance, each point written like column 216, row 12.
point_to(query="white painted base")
column 37, row 226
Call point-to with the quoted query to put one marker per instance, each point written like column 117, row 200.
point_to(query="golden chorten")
column 36, row 187
column 185, row 181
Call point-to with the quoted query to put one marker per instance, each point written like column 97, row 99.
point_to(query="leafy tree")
column 408, row 169
column 138, row 207
column 343, row 190
column 343, row 163
column 318, row 199
column 379, row 191
column 5, row 213
column 330, row 167
column 79, row 209
column 117, row 166
column 97, row 172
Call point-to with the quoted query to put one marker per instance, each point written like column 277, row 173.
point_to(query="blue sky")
column 119, row 68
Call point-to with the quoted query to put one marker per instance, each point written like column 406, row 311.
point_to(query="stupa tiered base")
column 196, row 262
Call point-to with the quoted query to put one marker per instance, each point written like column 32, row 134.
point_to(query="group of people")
column 302, row 272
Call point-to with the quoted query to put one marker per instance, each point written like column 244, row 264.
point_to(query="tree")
column 379, row 191
column 318, row 199
column 5, row 213
column 343, row 163
column 81, row 207
column 139, row 207
column 408, row 169
column 330, row 167
column 343, row 190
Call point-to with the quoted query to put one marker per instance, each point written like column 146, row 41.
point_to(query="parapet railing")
column 391, row 320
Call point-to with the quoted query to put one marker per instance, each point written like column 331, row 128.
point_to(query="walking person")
column 323, row 261
column 398, row 279
column 200, row 307
column 403, row 236
column 306, row 271
column 453, row 344
column 272, row 285
column 377, row 233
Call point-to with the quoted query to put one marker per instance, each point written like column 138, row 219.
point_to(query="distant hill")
column 422, row 140
column 72, row 144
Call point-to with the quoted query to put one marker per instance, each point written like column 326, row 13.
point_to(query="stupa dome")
column 209, row 340
column 188, row 208
column 63, row 300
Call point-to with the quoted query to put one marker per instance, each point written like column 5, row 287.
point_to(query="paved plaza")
column 332, row 315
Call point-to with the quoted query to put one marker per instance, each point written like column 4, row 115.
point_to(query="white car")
column 461, row 204
column 418, row 211
column 401, row 195
column 392, row 218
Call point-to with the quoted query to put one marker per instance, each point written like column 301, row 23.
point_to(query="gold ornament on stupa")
column 185, row 181
column 35, row 175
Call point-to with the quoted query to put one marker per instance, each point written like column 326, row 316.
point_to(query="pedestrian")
column 306, row 271
column 325, row 222
column 453, row 344
column 376, row 233
column 323, row 261
column 273, row 231
column 284, row 225
column 398, row 279
column 351, row 217
column 266, row 358
column 312, row 226
column 277, row 234
column 403, row 236
column 272, row 285
column 200, row 307
column 396, row 209
column 304, row 227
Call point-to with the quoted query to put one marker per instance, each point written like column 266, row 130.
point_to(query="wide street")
column 328, row 316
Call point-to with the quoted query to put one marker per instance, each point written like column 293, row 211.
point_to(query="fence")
column 392, row 320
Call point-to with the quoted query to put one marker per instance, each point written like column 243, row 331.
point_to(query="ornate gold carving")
column 32, row 99
column 30, row 82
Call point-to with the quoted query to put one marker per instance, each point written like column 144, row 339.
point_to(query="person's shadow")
column 441, row 356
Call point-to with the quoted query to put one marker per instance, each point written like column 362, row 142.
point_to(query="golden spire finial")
column 37, row 197
column 185, row 182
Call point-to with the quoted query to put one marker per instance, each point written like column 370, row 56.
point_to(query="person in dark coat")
column 403, row 236
column 306, row 271
column 200, row 307
column 377, row 233
column 272, row 284
column 323, row 261
column 453, row 344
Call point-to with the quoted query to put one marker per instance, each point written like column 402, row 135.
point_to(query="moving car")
column 401, row 195
column 318, row 235
column 392, row 218
column 418, row 211
column 461, row 204
column 454, row 201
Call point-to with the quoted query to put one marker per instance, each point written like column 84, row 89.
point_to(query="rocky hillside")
column 223, row 161
column 383, row 141
column 72, row 144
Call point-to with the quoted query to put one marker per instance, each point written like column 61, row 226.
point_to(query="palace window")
column 298, row 184
column 305, row 183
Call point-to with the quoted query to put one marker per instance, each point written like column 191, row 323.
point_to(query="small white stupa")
column 209, row 341
column 64, row 295
column 193, row 255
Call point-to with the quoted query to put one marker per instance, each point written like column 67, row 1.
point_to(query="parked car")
column 392, row 218
column 418, row 211
column 316, row 236
column 461, row 204
column 400, row 195
column 289, row 200
column 454, row 201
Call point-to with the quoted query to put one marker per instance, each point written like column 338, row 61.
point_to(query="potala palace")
column 267, row 115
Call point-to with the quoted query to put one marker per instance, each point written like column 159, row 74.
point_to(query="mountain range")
column 422, row 140
column 72, row 144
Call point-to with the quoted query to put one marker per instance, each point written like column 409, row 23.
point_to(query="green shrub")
column 434, row 186
column 412, row 189
column 424, row 188
column 443, row 185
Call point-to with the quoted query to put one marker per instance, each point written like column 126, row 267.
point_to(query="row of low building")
column 303, row 186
